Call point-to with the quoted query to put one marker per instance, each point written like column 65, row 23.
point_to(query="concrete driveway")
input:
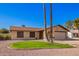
column 5, row 51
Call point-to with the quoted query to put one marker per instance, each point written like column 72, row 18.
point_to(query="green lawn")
column 37, row 44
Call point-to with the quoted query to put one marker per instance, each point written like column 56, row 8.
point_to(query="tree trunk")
column 45, row 24
column 51, row 29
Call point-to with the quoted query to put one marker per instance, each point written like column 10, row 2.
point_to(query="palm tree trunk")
column 51, row 29
column 45, row 24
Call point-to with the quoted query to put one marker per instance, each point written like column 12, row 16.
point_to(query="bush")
column 5, row 37
column 1, row 37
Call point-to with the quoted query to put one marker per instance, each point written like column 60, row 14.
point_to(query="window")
column 32, row 34
column 75, row 35
column 20, row 34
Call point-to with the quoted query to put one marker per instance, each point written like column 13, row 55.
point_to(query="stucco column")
column 44, row 37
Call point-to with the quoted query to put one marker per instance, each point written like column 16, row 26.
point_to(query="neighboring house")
column 59, row 32
column 74, row 33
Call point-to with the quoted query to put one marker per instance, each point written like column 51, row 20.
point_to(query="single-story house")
column 59, row 32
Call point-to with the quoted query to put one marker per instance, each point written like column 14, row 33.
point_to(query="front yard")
column 33, row 44
column 7, row 50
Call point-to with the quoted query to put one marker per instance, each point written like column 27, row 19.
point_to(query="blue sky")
column 31, row 15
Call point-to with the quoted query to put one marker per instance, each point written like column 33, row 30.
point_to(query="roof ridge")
column 25, row 27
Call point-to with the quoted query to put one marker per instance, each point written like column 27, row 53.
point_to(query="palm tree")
column 69, row 24
column 76, row 24
column 45, row 24
column 51, row 30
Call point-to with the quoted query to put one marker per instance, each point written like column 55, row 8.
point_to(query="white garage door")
column 60, row 35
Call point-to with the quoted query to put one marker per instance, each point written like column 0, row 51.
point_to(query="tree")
column 51, row 30
column 4, row 30
column 45, row 24
column 23, row 26
column 69, row 24
column 76, row 23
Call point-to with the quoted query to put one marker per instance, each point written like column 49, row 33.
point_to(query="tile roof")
column 15, row 28
column 56, row 29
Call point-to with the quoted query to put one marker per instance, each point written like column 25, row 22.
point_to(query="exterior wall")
column 37, row 35
column 44, row 36
column 69, row 35
column 13, row 34
column 74, row 31
column 26, row 35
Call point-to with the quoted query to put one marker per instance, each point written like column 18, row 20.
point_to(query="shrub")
column 5, row 37
column 1, row 37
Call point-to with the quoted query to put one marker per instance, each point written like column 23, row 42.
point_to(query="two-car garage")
column 60, row 35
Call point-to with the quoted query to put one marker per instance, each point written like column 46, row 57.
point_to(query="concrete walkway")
column 5, row 51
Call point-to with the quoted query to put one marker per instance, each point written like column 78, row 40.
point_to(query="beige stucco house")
column 59, row 32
